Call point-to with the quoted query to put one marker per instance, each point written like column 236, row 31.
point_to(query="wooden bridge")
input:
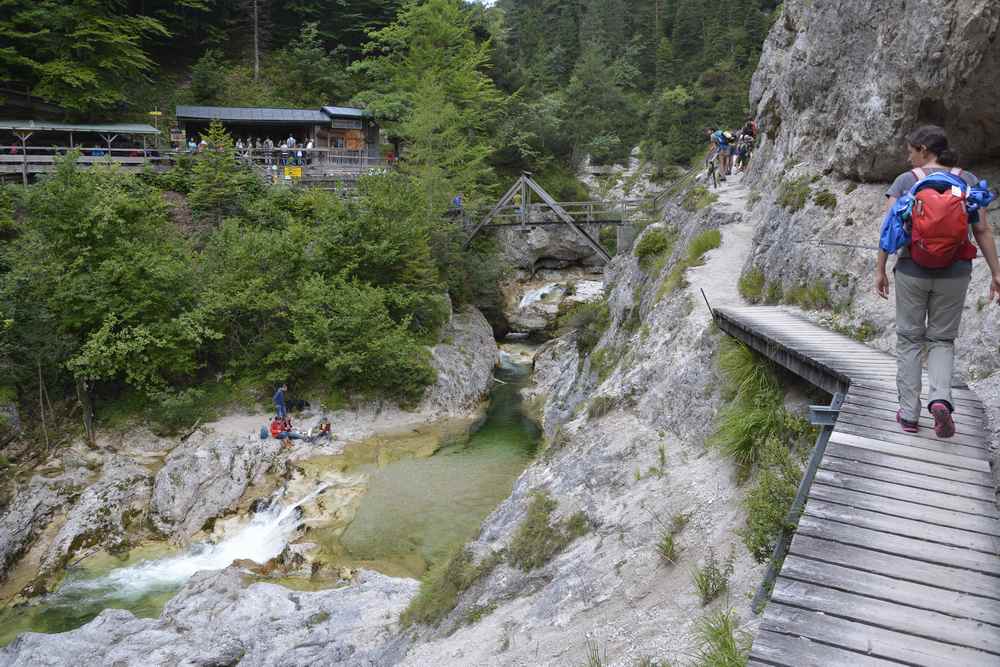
column 515, row 209
column 896, row 558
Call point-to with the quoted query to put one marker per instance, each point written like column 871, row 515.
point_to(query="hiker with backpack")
column 722, row 147
column 930, row 211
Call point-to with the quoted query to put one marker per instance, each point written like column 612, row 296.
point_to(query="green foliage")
column 851, row 187
column 755, row 413
column 538, row 539
column 697, row 247
column 600, row 406
column 770, row 498
column 428, row 84
column 793, row 194
column 751, row 285
column 723, row 643
column 588, row 320
column 812, row 296
column 775, row 293
column 667, row 546
column 825, row 199
column 655, row 247
column 220, row 183
column 80, row 55
column 697, row 198
column 712, row 578
column 441, row 587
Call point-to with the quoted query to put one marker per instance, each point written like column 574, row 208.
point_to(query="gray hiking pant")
column 928, row 313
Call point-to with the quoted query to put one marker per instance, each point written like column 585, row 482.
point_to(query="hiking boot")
column 944, row 425
column 906, row 424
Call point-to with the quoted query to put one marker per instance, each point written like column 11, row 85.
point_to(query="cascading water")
column 147, row 584
column 262, row 539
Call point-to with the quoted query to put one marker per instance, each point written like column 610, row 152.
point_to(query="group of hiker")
column 281, row 427
column 733, row 150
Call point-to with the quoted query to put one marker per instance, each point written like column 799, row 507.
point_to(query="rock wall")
column 841, row 83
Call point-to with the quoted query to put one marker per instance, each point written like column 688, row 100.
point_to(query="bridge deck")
column 896, row 560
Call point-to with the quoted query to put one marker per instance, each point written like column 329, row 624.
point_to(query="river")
column 417, row 509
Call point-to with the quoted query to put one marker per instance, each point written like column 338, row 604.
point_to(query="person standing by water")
column 279, row 402
column 930, row 299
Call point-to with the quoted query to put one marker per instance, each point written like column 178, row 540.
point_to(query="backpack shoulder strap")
column 956, row 171
column 919, row 173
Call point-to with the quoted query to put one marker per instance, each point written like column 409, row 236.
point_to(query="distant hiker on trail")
column 721, row 149
column 928, row 217
column 279, row 402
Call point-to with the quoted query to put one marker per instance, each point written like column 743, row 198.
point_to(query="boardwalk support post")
column 819, row 415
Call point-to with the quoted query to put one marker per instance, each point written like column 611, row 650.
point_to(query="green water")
column 420, row 504
column 418, row 509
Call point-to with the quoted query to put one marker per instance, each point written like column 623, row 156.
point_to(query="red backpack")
column 940, row 224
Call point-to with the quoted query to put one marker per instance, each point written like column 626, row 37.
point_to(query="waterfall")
column 263, row 538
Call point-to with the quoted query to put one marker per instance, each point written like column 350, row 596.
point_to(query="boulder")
column 102, row 515
column 214, row 620
column 206, row 477
column 840, row 84
column 32, row 509
column 464, row 362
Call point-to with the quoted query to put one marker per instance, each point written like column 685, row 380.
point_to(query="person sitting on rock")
column 322, row 429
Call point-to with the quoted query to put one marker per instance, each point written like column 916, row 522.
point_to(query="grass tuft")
column 654, row 248
column 712, row 579
column 698, row 198
column 709, row 239
column 794, row 193
column 825, row 199
column 537, row 539
column 442, row 585
column 813, row 296
column 769, row 499
column 596, row 657
column 723, row 643
column 751, row 285
column 600, row 406
column 589, row 320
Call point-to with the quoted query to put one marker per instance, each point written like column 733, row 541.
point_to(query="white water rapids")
column 263, row 538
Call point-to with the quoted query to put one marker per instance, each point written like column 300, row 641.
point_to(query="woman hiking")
column 932, row 277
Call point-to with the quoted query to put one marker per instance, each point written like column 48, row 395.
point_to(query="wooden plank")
column 968, row 424
column 919, row 622
column 957, row 579
column 895, row 590
column 788, row 651
column 946, row 472
column 939, row 544
column 916, row 440
column 889, row 425
column 858, row 392
column 911, row 480
column 920, row 496
column 918, row 453
column 889, row 388
column 870, row 640
column 907, row 510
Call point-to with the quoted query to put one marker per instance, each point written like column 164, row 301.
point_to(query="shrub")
column 768, row 501
column 608, row 237
column 603, row 361
column 826, row 199
column 775, row 293
column 712, row 579
column 537, row 539
column 589, row 320
column 441, row 586
column 654, row 244
column 794, row 193
column 723, row 644
column 698, row 198
column 751, row 285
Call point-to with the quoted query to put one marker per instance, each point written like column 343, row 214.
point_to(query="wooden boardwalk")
column 896, row 560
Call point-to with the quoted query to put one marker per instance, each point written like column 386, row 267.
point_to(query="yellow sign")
column 155, row 113
column 293, row 172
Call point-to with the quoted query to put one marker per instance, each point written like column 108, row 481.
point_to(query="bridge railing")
column 14, row 158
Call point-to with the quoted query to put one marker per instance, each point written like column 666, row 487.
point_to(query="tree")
column 220, row 184
column 81, row 55
column 428, row 79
